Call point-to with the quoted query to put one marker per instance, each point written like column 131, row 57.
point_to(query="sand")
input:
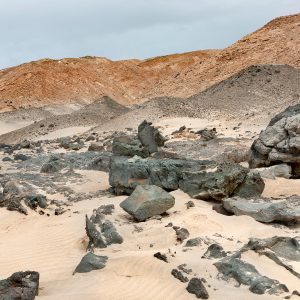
column 6, row 126
column 54, row 246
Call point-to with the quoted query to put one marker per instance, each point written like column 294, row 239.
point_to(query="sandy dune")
column 54, row 245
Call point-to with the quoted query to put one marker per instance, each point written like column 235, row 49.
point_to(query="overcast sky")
column 120, row 29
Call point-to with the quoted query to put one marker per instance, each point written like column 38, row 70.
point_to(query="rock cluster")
column 279, row 142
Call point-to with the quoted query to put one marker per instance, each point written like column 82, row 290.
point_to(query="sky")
column 122, row 29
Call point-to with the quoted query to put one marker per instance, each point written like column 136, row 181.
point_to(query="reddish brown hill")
column 86, row 79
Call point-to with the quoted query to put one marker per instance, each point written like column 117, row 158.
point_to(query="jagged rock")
column 161, row 256
column 35, row 200
column 214, row 251
column 101, row 232
column 197, row 288
column 181, row 234
column 229, row 179
column 246, row 274
column 106, row 209
column 279, row 142
column 125, row 174
column 91, row 262
column 147, row 201
column 178, row 275
column 266, row 210
column 129, row 145
column 101, row 162
column 20, row 286
column 150, row 137
column 286, row 247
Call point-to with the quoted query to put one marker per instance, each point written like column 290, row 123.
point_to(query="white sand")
column 54, row 246
column 7, row 126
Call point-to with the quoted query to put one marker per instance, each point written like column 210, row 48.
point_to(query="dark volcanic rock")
column 96, row 146
column 101, row 232
column 207, row 134
column 150, row 137
column 129, row 145
column 91, row 262
column 195, row 242
column 229, row 179
column 53, row 165
column 125, row 174
column 101, row 162
column 20, row 286
column 197, row 288
column 147, row 201
column 182, row 234
column 35, row 200
column 161, row 256
column 178, row 275
column 214, row 251
column 266, row 210
column 279, row 142
column 245, row 273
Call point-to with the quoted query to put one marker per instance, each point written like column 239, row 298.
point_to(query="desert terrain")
column 201, row 200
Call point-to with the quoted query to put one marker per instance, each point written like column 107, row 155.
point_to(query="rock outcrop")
column 266, row 210
column 126, row 174
column 279, row 142
column 147, row 201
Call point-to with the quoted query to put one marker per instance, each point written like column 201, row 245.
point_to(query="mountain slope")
column 84, row 80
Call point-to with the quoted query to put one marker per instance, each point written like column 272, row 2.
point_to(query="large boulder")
column 126, row 174
column 150, row 137
column 20, row 286
column 129, row 145
column 91, row 262
column 147, row 201
column 279, row 142
column 229, row 179
column 265, row 210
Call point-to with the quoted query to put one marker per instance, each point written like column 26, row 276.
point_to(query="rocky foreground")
column 136, row 214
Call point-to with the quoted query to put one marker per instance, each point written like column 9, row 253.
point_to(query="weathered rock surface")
column 147, row 201
column 178, row 275
column 214, row 251
column 197, row 288
column 125, row 174
column 129, row 145
column 279, row 142
column 246, row 274
column 266, row 210
column 20, row 286
column 181, row 234
column 281, row 170
column 91, row 262
column 101, row 232
column 229, row 179
column 150, row 137
column 101, row 162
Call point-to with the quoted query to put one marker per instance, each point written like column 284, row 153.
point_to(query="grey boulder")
column 91, row 262
column 147, row 201
column 279, row 142
column 266, row 210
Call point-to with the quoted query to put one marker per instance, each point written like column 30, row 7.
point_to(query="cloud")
column 119, row 29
